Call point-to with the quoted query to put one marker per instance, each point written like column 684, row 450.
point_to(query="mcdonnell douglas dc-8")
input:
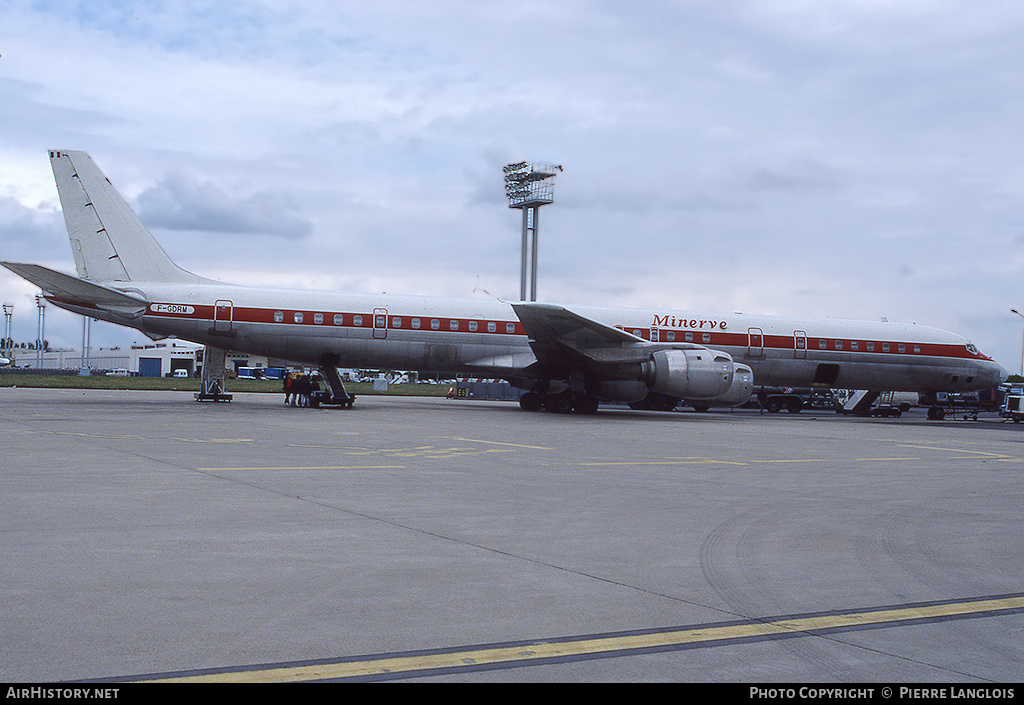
column 566, row 358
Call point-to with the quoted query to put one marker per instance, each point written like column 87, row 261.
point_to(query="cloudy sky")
column 849, row 159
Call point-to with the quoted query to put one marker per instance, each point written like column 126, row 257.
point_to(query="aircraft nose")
column 996, row 374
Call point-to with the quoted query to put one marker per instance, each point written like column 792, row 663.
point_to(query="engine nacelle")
column 738, row 392
column 689, row 374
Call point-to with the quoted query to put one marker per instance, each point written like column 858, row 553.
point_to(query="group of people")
column 298, row 388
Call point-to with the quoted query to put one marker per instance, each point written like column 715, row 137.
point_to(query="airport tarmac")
column 148, row 536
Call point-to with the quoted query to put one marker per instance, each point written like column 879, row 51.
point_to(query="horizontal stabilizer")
column 77, row 291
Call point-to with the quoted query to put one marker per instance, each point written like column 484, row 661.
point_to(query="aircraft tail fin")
column 108, row 241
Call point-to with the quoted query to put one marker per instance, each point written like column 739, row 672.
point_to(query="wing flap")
column 503, row 365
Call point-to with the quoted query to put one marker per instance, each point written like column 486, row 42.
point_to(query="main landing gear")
column 560, row 403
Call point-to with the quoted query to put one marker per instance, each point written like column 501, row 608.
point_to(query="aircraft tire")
column 657, row 401
column 558, row 403
column 584, row 404
column 531, row 401
column 936, row 413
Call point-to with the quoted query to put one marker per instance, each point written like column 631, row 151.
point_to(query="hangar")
column 159, row 358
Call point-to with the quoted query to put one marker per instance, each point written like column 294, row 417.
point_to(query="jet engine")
column 739, row 391
column 689, row 374
column 705, row 377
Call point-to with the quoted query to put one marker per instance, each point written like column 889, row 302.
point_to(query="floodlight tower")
column 8, row 312
column 528, row 187
column 86, row 325
column 41, row 305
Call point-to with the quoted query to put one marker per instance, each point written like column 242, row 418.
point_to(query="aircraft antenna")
column 528, row 187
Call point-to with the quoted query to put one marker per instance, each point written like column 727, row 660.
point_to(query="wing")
column 562, row 340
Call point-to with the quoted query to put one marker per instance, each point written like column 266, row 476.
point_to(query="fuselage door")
column 755, row 342
column 380, row 323
column 799, row 344
column 223, row 315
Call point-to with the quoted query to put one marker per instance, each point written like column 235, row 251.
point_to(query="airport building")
column 160, row 358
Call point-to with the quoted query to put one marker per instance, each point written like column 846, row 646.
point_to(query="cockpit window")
column 971, row 349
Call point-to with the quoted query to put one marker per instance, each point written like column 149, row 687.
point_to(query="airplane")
column 565, row 358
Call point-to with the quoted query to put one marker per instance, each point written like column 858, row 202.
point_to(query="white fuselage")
column 485, row 337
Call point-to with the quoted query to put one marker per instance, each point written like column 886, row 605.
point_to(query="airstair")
column 861, row 403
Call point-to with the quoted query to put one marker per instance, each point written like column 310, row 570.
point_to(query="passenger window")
column 706, row 337
column 822, row 344
column 338, row 319
column 472, row 325
column 278, row 316
column 298, row 317
column 357, row 321
column 510, row 327
column 415, row 323
column 435, row 324
column 491, row 326
column 453, row 324
column 902, row 348
column 318, row 318
column 396, row 322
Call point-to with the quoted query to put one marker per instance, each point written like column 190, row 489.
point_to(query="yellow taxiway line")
column 575, row 648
